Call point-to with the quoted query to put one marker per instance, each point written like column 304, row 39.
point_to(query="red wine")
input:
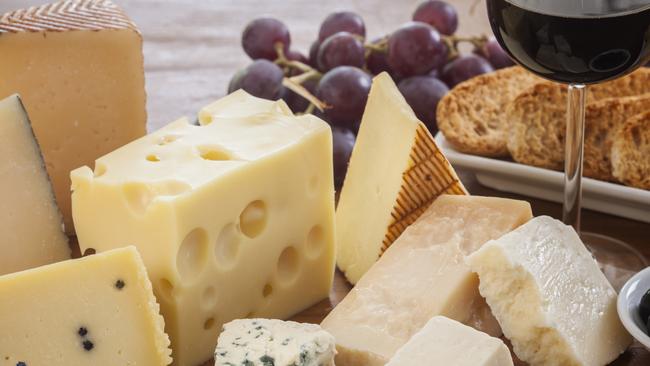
column 574, row 41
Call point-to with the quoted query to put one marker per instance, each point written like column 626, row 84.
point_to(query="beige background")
column 192, row 47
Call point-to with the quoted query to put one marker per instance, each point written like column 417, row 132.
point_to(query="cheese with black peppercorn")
column 97, row 310
column 265, row 342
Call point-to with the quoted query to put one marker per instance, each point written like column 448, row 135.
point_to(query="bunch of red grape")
column 334, row 80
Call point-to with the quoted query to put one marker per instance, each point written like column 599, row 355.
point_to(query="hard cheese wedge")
column 31, row 228
column 395, row 172
column 264, row 342
column 447, row 342
column 78, row 66
column 423, row 274
column 97, row 310
column 550, row 297
column 233, row 219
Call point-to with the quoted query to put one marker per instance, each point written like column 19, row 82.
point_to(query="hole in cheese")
column 167, row 140
column 166, row 289
column 192, row 255
column 138, row 197
column 89, row 251
column 208, row 324
column 214, row 153
column 153, row 158
column 209, row 298
column 100, row 170
column 315, row 242
column 227, row 246
column 288, row 264
column 268, row 290
column 252, row 220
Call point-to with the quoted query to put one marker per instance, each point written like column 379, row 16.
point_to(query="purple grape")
column 464, row 68
column 345, row 89
column 262, row 79
column 297, row 56
column 261, row 35
column 377, row 61
column 439, row 14
column 343, row 142
column 423, row 94
column 296, row 102
column 415, row 49
column 313, row 54
column 343, row 21
column 341, row 49
column 493, row 52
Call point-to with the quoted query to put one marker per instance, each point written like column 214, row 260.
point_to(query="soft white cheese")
column 549, row 296
column 264, row 342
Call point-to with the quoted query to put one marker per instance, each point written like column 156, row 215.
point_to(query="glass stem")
column 573, row 154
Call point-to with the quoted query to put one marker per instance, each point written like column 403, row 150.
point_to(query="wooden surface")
column 192, row 48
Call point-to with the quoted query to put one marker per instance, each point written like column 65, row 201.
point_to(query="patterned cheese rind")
column 67, row 15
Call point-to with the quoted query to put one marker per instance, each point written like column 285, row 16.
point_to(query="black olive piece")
column 88, row 345
column 119, row 284
column 644, row 307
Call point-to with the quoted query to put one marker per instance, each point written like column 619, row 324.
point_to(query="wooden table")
column 192, row 48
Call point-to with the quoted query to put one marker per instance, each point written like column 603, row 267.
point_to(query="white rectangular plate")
column 508, row 176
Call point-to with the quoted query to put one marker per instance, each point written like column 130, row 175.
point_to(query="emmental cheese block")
column 31, row 227
column 264, row 342
column 423, row 274
column 97, row 310
column 395, row 172
column 550, row 297
column 78, row 67
column 447, row 342
column 234, row 219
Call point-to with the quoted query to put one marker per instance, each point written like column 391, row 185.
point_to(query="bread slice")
column 631, row 152
column 537, row 118
column 472, row 117
column 604, row 118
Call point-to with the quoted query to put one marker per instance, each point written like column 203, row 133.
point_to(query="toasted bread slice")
column 537, row 119
column 472, row 116
column 631, row 152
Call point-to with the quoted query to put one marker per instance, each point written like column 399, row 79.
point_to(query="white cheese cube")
column 447, row 342
column 263, row 342
column 549, row 296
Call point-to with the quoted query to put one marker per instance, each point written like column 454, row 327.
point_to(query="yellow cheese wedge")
column 230, row 106
column 31, row 228
column 234, row 219
column 78, row 67
column 97, row 310
column 423, row 274
column 443, row 341
column 395, row 172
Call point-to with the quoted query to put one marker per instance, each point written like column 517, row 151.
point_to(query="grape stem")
column 295, row 83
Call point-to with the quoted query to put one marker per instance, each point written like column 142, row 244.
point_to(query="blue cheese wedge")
column 549, row 296
column 266, row 342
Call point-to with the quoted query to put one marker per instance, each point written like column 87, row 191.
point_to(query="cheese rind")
column 262, row 342
column 443, row 341
column 423, row 274
column 31, row 227
column 233, row 219
column 78, row 67
column 550, row 297
column 97, row 310
column 395, row 172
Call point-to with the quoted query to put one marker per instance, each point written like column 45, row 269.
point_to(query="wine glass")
column 578, row 42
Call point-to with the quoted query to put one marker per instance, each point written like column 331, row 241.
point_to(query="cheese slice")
column 263, row 342
column 423, row 274
column 443, row 341
column 550, row 297
column 97, row 310
column 31, row 228
column 234, row 219
column 78, row 67
column 395, row 172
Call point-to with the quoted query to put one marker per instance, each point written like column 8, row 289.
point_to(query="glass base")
column 616, row 259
